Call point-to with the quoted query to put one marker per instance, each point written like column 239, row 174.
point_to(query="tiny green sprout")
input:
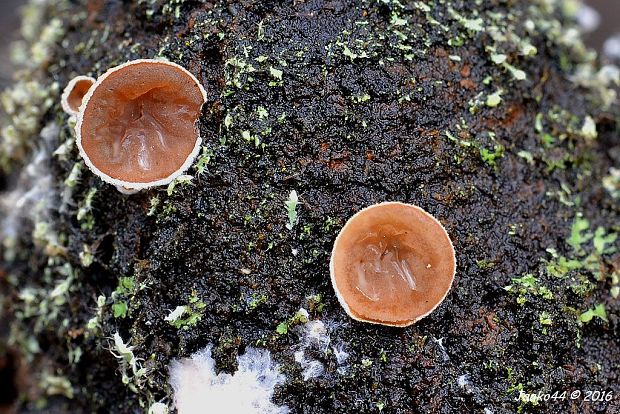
column 538, row 122
column 184, row 317
column 300, row 317
column 559, row 266
column 120, row 309
column 489, row 156
column 498, row 58
column 56, row 385
column 485, row 264
column 131, row 371
column 291, row 208
column 615, row 284
column 282, row 328
column 527, row 156
column 276, row 73
column 348, row 53
column 527, row 49
column 598, row 311
column 360, row 98
column 74, row 176
column 366, row 362
column 86, row 256
column 516, row 73
column 94, row 322
column 182, row 179
column 228, row 120
column 397, row 21
column 494, row 99
column 380, row 405
column 545, row 320
column 577, row 235
column 472, row 25
column 315, row 303
column 153, row 206
column 203, row 160
column 75, row 354
column 126, row 286
column 85, row 210
column 528, row 284
column 601, row 240
column 256, row 300
column 383, row 356
column 262, row 112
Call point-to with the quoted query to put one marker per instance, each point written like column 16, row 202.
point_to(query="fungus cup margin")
column 332, row 265
column 66, row 93
column 129, row 186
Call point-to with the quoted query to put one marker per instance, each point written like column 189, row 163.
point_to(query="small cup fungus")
column 137, row 125
column 74, row 93
column 392, row 264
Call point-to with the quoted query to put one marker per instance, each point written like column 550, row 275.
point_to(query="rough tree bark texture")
column 489, row 114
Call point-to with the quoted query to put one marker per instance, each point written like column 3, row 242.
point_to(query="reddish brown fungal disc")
column 137, row 126
column 392, row 264
column 74, row 93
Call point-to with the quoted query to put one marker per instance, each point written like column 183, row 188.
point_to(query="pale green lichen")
column 186, row 316
column 291, row 209
column 28, row 99
column 494, row 99
column 24, row 104
column 133, row 375
column 56, row 385
column 183, row 180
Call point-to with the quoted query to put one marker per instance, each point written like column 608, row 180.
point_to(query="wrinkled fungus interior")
column 139, row 124
column 78, row 92
column 393, row 263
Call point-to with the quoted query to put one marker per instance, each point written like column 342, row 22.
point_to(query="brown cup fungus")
column 137, row 125
column 392, row 264
column 74, row 93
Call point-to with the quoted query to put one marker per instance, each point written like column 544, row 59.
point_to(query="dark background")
column 10, row 19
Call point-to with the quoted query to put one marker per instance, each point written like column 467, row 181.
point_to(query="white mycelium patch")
column 198, row 389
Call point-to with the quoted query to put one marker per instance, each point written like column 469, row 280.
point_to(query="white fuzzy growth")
column 340, row 354
column 32, row 196
column 439, row 342
column 158, row 408
column 175, row 314
column 311, row 368
column 463, row 381
column 315, row 334
column 198, row 389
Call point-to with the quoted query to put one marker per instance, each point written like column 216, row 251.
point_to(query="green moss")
column 528, row 285
column 491, row 157
column 598, row 311
column 191, row 315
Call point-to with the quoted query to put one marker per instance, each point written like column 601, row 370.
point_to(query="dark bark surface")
column 348, row 103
